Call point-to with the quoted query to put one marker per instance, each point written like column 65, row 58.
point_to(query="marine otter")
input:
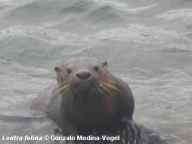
column 89, row 99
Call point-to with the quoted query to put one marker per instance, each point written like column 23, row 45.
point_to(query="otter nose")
column 83, row 75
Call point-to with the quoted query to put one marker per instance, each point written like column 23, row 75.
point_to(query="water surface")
column 147, row 43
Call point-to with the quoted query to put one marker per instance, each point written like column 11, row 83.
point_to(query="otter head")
column 80, row 75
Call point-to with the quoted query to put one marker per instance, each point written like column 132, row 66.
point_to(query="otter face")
column 80, row 74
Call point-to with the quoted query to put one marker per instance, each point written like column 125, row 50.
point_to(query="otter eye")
column 96, row 68
column 69, row 70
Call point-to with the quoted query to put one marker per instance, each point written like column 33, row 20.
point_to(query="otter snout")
column 83, row 75
column 82, row 81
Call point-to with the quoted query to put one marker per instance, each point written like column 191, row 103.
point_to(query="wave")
column 41, row 11
column 36, row 45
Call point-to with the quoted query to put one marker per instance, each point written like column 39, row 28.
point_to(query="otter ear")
column 57, row 69
column 105, row 64
column 58, row 74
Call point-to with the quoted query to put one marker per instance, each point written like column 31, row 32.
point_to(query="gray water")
column 146, row 42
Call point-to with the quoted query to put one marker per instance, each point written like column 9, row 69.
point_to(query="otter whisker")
column 62, row 88
column 111, row 86
column 110, row 81
column 105, row 89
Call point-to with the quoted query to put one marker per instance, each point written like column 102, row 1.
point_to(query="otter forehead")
column 82, row 61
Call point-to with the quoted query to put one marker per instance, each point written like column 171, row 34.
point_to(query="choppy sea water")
column 147, row 43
